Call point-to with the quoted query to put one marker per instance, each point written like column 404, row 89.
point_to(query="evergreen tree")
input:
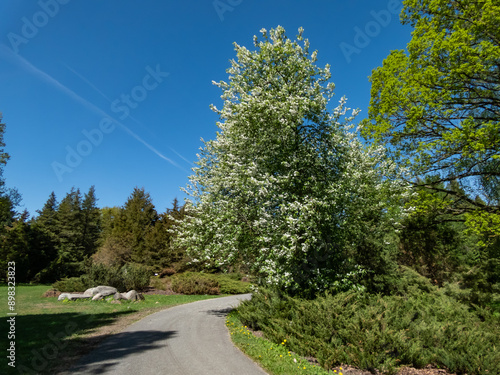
column 26, row 244
column 138, row 217
column 47, row 218
column 161, row 252
column 91, row 217
column 45, row 237
column 9, row 198
column 125, row 231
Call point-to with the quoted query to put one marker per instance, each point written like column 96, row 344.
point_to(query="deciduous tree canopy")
column 438, row 104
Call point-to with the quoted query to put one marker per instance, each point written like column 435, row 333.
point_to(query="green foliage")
column 232, row 284
column 127, row 229
column 9, row 198
column 123, row 278
column 26, row 244
column 137, row 233
column 433, row 243
column 135, row 276
column 67, row 232
column 437, row 104
column 158, row 283
column 383, row 332
column 195, row 283
column 70, row 284
column 167, row 272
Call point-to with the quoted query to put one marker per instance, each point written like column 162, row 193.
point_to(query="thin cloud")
column 182, row 157
column 87, row 81
column 26, row 65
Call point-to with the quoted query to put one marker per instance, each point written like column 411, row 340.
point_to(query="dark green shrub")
column 125, row 278
column 100, row 274
column 232, row 284
column 135, row 276
column 167, row 272
column 72, row 284
column 195, row 283
column 380, row 332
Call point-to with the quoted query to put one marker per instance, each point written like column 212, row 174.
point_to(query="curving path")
column 188, row 339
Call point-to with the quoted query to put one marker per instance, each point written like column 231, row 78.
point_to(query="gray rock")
column 118, row 296
column 62, row 296
column 132, row 295
column 97, row 297
column 72, row 296
column 102, row 289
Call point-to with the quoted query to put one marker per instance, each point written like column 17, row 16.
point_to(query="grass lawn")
column 51, row 335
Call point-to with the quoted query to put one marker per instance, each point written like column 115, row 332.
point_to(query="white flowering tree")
column 286, row 183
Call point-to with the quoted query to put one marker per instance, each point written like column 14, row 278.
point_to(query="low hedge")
column 380, row 332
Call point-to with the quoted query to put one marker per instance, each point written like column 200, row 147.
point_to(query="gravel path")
column 189, row 339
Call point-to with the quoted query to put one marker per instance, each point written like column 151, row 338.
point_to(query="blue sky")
column 116, row 93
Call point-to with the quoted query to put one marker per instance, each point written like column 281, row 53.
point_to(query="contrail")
column 94, row 87
column 84, row 79
column 182, row 157
column 87, row 82
column 10, row 55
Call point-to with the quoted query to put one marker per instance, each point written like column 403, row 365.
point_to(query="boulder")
column 97, row 297
column 102, row 289
column 71, row 296
column 62, row 296
column 132, row 295
column 118, row 296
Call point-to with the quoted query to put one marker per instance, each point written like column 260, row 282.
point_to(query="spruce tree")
column 91, row 217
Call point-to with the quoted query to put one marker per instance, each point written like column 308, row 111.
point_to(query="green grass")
column 277, row 359
column 49, row 331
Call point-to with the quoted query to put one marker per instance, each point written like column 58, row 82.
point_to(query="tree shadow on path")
column 119, row 346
